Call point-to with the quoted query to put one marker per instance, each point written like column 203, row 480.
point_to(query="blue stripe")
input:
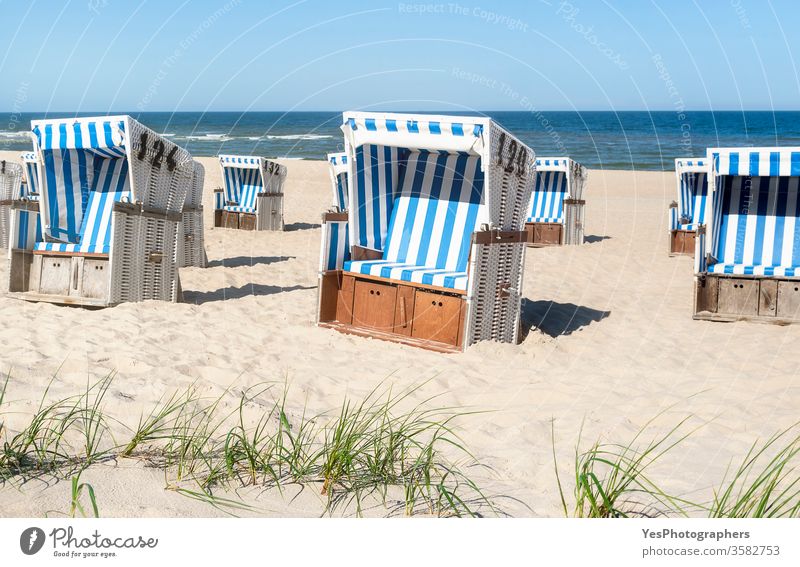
column 434, row 128
column 734, row 163
column 754, row 163
column 795, row 164
column 413, row 126
column 745, row 199
column 376, row 203
column 458, row 129
column 780, row 219
column 774, row 163
column 362, row 205
column 762, row 193
column 391, row 125
column 333, row 248
column 370, row 124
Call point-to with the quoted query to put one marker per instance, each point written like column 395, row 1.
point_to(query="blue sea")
column 611, row 140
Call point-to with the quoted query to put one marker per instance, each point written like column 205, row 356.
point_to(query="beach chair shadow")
column 300, row 226
column 556, row 319
column 242, row 261
column 233, row 292
column 592, row 238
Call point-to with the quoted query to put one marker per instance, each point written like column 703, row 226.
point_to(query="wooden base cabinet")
column 391, row 310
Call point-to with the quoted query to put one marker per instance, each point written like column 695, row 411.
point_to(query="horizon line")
column 648, row 111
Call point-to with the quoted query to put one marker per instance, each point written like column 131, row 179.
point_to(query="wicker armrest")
column 219, row 190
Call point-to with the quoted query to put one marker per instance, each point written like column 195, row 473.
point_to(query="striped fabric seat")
column 108, row 183
column 432, row 213
column 758, row 226
column 243, row 182
column 549, row 192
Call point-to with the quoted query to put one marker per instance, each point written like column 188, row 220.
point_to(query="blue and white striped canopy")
column 690, row 164
column 338, row 159
column 241, row 162
column 552, row 164
column 429, row 132
column 755, row 161
column 103, row 136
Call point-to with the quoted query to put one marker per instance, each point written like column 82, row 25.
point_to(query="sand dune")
column 611, row 342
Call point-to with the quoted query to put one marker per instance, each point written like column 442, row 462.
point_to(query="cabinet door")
column 344, row 300
column 373, row 305
column 437, row 317
column 788, row 300
column 94, row 278
column 56, row 275
column 738, row 296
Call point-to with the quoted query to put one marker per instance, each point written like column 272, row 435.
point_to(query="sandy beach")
column 609, row 342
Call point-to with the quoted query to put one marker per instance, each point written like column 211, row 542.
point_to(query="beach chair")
column 112, row 192
column 556, row 213
column 10, row 186
column 747, row 258
column 252, row 197
column 191, row 240
column 30, row 185
column 691, row 209
column 338, row 170
column 431, row 249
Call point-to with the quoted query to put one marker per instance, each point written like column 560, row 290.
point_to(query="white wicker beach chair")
column 691, row 209
column 338, row 169
column 431, row 249
column 252, row 197
column 191, row 239
column 10, row 187
column 747, row 258
column 556, row 213
column 112, row 192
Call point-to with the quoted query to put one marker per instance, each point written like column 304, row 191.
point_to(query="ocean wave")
column 15, row 134
column 209, row 138
column 298, row 137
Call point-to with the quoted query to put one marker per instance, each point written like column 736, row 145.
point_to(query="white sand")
column 615, row 345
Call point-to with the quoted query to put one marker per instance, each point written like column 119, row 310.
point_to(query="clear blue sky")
column 104, row 55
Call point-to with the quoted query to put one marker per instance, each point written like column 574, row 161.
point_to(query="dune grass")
column 382, row 449
column 766, row 484
column 612, row 480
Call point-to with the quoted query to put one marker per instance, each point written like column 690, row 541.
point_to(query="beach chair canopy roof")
column 755, row 161
column 429, row 132
column 241, row 162
column 338, row 162
column 689, row 165
column 693, row 206
column 756, row 211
